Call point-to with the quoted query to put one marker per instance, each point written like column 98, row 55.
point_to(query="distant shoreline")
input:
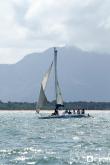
column 33, row 110
column 25, row 106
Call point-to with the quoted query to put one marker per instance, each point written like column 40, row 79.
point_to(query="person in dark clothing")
column 74, row 111
column 83, row 111
column 55, row 113
column 78, row 111
column 69, row 112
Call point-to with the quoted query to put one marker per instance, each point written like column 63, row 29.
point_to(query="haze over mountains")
column 83, row 76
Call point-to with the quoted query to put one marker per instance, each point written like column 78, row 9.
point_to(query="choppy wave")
column 24, row 139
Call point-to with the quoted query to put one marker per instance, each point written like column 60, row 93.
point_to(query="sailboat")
column 42, row 100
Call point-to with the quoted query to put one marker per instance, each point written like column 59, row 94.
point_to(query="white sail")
column 59, row 99
column 42, row 97
column 46, row 77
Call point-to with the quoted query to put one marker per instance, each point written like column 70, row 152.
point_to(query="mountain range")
column 83, row 76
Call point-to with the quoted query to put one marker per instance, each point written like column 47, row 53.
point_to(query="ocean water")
column 27, row 140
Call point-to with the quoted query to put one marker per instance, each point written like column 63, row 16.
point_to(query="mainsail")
column 59, row 98
column 42, row 97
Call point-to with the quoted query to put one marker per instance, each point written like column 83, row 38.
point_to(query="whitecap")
column 76, row 138
column 21, row 158
column 31, row 163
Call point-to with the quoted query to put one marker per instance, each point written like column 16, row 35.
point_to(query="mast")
column 55, row 63
column 59, row 99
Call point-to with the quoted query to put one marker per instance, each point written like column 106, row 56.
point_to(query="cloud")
column 12, row 55
column 39, row 24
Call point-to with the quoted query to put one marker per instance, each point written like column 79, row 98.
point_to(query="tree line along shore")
column 67, row 105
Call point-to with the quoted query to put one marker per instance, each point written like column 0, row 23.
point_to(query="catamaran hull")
column 64, row 117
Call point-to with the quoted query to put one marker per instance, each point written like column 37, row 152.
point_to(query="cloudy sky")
column 35, row 25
